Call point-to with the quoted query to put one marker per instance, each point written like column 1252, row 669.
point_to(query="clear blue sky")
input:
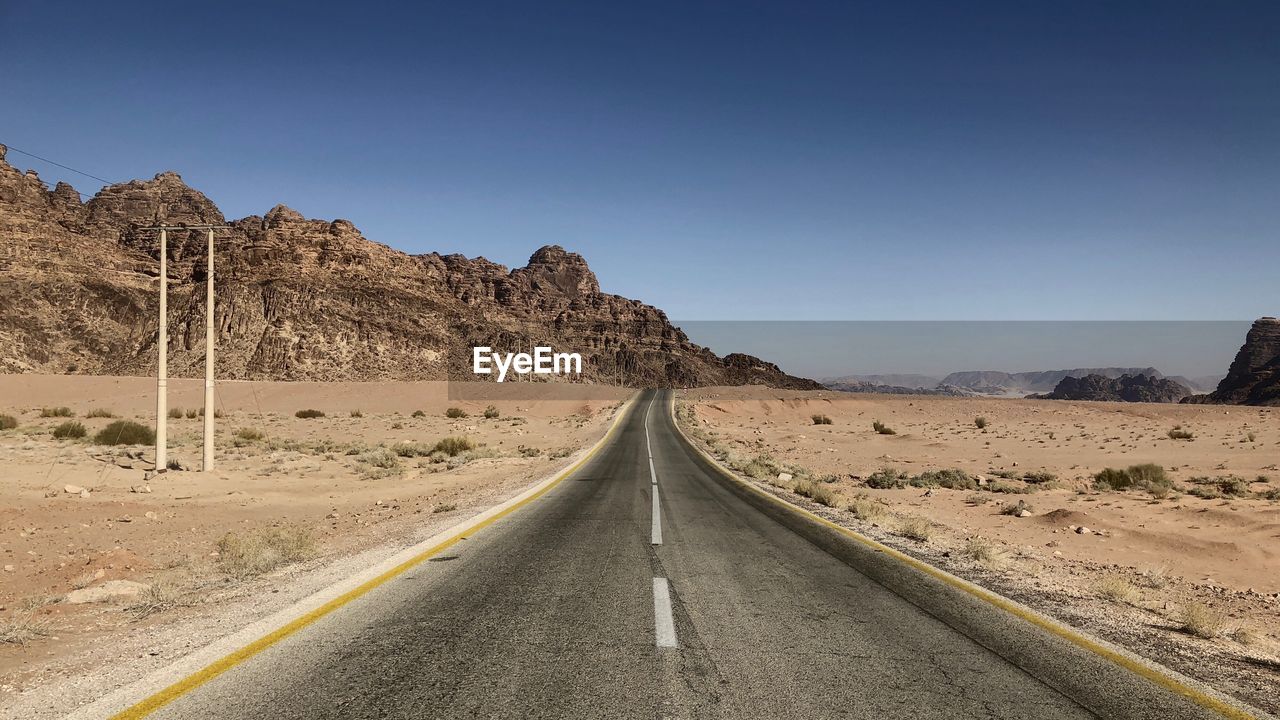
column 723, row 161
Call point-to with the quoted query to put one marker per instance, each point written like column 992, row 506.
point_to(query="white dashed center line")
column 655, row 535
column 664, row 626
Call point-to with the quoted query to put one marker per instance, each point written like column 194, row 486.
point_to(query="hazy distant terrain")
column 996, row 382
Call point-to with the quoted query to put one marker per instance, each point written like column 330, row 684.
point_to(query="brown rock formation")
column 303, row 299
column 1254, row 377
column 1126, row 388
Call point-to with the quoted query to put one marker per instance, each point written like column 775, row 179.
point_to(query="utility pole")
column 162, row 382
column 162, row 375
column 208, row 364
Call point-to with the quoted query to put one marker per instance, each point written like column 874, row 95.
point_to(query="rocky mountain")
column 302, row 299
column 992, row 382
column 907, row 380
column 1254, row 375
column 1126, row 388
column 869, row 387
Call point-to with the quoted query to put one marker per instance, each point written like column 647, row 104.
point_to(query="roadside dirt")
column 1146, row 572
column 355, row 485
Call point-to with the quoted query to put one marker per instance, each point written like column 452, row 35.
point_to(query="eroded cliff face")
column 301, row 299
column 1254, row 377
column 1126, row 388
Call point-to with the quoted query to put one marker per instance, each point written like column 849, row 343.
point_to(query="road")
column 584, row 604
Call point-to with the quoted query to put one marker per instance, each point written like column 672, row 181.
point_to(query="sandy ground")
column 351, row 484
column 1126, row 565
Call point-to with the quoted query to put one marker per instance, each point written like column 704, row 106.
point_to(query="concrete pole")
column 162, row 381
column 208, row 364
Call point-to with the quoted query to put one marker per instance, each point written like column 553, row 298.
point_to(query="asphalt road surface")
column 585, row 604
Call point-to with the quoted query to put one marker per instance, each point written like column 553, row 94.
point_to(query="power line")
column 64, row 167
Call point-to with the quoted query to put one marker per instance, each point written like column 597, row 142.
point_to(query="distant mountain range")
column 999, row 383
column 902, row 381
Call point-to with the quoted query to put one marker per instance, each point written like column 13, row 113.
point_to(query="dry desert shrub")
column 22, row 627
column 243, row 555
column 1116, row 589
column 100, row 413
column 380, row 457
column 8, row 422
column 882, row 428
column 454, row 445
column 817, row 492
column 886, row 478
column 125, row 432
column 408, row 449
column 309, row 414
column 1147, row 476
column 56, row 412
column 865, row 508
column 248, row 435
column 491, row 413
column 1201, row 620
column 820, row 419
column 1177, row 433
column 454, row 413
column 954, row 478
column 1017, row 509
column 980, row 422
column 161, row 595
column 983, row 551
column 70, row 430
column 914, row 527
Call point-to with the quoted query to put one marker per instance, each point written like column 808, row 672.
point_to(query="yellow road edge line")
column 209, row 672
column 1065, row 632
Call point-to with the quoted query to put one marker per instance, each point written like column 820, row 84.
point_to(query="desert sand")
column 1129, row 565
column 76, row 516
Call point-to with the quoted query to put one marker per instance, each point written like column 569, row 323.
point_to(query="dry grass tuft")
column 1116, row 589
column 983, row 551
column 160, row 596
column 455, row 445
column 22, row 627
column 1201, row 620
column 914, row 527
column 249, row 434
column 263, row 550
column 864, row 507
column 818, row 492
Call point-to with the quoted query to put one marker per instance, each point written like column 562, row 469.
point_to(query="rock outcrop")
column 859, row 386
column 993, row 382
column 1126, row 388
column 302, row 299
column 1254, row 376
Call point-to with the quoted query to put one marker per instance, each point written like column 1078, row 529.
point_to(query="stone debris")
column 109, row 591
